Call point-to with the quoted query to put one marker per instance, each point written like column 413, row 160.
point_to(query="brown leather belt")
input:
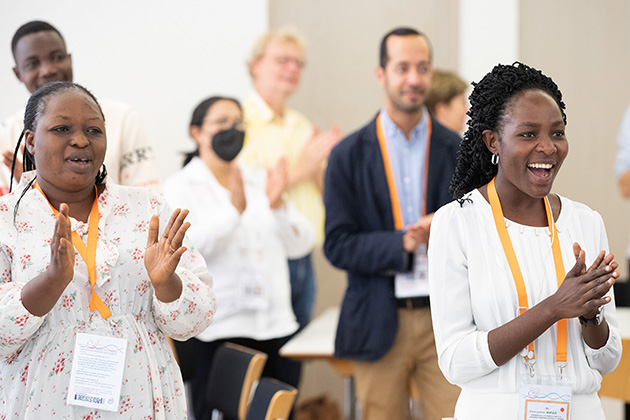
column 413, row 302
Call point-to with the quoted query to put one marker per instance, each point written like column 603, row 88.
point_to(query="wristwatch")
column 599, row 317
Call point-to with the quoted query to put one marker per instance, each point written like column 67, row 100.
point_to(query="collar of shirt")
column 407, row 160
column 395, row 134
column 261, row 110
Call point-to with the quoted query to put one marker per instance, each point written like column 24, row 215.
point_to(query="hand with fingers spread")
column 277, row 179
column 583, row 290
column 162, row 256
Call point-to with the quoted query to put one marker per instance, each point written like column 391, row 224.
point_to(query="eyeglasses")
column 226, row 124
column 283, row 60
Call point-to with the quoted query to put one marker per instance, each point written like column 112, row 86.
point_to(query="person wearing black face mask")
column 246, row 232
column 227, row 144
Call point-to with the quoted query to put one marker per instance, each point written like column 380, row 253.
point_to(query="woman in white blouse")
column 245, row 231
column 520, row 278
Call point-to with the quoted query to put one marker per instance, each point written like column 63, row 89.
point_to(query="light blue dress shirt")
column 408, row 160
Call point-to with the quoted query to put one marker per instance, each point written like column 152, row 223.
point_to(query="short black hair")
column 400, row 32
column 489, row 101
column 31, row 28
column 198, row 116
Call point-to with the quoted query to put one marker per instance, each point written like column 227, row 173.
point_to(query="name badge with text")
column 97, row 371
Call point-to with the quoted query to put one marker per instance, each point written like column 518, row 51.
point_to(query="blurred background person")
column 41, row 57
column 447, row 100
column 274, row 130
column 622, row 165
column 384, row 182
column 246, row 231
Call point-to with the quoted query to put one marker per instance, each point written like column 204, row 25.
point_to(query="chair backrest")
column 234, row 371
column 272, row 400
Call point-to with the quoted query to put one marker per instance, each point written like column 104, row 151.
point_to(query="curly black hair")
column 489, row 101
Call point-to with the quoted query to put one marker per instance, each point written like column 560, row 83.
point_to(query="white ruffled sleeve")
column 463, row 351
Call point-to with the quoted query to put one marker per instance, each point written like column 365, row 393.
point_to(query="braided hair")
column 35, row 108
column 489, row 102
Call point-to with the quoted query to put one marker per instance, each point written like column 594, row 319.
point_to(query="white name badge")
column 253, row 287
column 415, row 283
column 97, row 371
column 545, row 402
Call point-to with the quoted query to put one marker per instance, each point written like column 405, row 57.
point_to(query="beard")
column 406, row 107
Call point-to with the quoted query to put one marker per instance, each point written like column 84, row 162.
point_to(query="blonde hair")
column 445, row 85
column 286, row 34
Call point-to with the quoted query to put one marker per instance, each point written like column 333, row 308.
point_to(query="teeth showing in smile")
column 540, row 165
column 80, row 160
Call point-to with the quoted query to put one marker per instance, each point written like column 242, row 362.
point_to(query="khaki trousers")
column 383, row 385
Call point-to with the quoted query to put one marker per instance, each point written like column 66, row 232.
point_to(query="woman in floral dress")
column 143, row 283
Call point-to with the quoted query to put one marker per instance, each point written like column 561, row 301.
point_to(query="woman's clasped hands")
column 583, row 290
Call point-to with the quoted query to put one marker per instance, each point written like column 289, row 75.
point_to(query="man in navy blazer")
column 383, row 184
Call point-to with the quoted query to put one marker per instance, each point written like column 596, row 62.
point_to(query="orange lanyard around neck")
column 88, row 253
column 497, row 213
column 389, row 173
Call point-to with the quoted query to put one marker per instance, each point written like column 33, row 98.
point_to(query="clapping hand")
column 61, row 265
column 8, row 156
column 418, row 233
column 584, row 290
column 315, row 151
column 162, row 256
column 237, row 191
column 41, row 293
column 277, row 181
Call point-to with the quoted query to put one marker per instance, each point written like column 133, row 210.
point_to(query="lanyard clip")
column 561, row 367
column 530, row 367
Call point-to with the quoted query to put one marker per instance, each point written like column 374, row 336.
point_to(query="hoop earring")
column 494, row 159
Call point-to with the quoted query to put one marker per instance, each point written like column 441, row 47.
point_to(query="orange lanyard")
column 389, row 173
column 497, row 213
column 88, row 253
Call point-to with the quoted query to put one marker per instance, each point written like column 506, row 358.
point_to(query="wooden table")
column 317, row 342
column 617, row 384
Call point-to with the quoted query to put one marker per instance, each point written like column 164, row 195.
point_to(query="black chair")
column 234, row 371
column 621, row 290
column 272, row 400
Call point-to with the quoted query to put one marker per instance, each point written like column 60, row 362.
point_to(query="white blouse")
column 473, row 292
column 231, row 243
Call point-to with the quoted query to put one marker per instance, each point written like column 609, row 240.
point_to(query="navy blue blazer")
column 361, row 238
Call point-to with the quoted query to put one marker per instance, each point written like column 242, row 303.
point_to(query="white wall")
column 489, row 33
column 162, row 58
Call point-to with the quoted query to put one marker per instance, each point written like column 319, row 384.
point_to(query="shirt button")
column 409, row 209
column 407, row 180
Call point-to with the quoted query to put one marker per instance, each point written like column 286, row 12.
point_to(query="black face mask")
column 228, row 143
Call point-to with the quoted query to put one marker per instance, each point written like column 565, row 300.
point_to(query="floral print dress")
column 36, row 353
